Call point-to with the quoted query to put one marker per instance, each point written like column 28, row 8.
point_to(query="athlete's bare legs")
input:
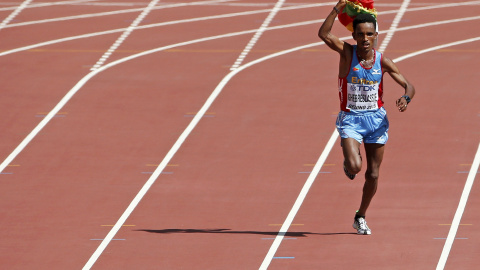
column 374, row 153
column 353, row 163
column 351, row 153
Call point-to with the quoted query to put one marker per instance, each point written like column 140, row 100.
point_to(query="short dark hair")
column 364, row 18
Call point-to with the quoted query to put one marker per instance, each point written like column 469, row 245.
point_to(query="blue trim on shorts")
column 366, row 126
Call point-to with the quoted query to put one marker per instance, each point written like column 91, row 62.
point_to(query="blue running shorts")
column 369, row 127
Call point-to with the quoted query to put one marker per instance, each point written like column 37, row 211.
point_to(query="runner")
column 362, row 117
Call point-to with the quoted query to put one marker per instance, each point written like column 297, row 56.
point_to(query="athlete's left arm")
column 389, row 66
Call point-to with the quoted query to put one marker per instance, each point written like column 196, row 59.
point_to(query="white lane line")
column 89, row 76
column 116, row 12
column 311, row 178
column 460, row 209
column 439, row 47
column 166, row 160
column 258, row 34
column 56, row 41
column 298, row 203
column 14, row 14
column 182, row 137
column 84, row 80
column 49, row 4
column 394, row 25
column 115, row 4
column 125, row 34
column 215, row 2
column 327, row 150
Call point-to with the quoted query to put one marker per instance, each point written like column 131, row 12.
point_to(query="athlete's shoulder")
column 387, row 63
column 345, row 60
column 349, row 45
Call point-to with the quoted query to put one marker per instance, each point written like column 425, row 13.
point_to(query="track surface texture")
column 201, row 135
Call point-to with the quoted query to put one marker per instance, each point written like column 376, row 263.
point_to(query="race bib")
column 362, row 97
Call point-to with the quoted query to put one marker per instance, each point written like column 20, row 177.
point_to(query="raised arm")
column 324, row 33
column 392, row 69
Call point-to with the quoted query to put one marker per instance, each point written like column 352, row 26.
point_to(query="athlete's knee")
column 371, row 175
column 354, row 165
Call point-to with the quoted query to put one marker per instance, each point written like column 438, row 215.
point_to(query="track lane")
column 409, row 196
column 81, row 176
column 205, row 159
column 413, row 166
column 83, row 44
column 157, row 230
column 205, row 238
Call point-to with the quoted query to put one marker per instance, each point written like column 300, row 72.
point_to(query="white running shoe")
column 360, row 224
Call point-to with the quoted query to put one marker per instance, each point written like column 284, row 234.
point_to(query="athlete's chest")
column 360, row 75
column 367, row 73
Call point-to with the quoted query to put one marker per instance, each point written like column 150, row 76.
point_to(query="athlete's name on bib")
column 362, row 98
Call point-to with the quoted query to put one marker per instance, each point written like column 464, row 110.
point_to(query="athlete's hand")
column 341, row 4
column 402, row 104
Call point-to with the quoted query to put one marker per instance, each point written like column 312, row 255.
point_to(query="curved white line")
column 181, row 138
column 258, row 34
column 50, row 4
column 46, row 43
column 321, row 160
column 394, row 25
column 217, row 1
column 439, row 47
column 125, row 34
column 107, row 13
column 195, row 3
column 471, row 176
column 14, row 13
column 184, row 136
column 460, row 209
column 84, row 80
column 324, row 155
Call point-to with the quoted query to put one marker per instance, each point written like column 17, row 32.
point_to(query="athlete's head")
column 364, row 18
column 364, row 31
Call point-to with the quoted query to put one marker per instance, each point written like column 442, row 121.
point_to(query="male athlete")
column 362, row 117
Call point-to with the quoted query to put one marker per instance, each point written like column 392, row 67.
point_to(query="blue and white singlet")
column 362, row 89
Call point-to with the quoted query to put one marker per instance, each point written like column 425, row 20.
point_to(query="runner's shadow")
column 229, row 231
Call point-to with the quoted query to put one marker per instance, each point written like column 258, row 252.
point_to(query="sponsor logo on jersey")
column 357, row 80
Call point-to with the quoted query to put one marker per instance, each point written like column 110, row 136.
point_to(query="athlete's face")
column 365, row 36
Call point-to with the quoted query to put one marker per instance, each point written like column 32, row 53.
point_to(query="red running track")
column 228, row 188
